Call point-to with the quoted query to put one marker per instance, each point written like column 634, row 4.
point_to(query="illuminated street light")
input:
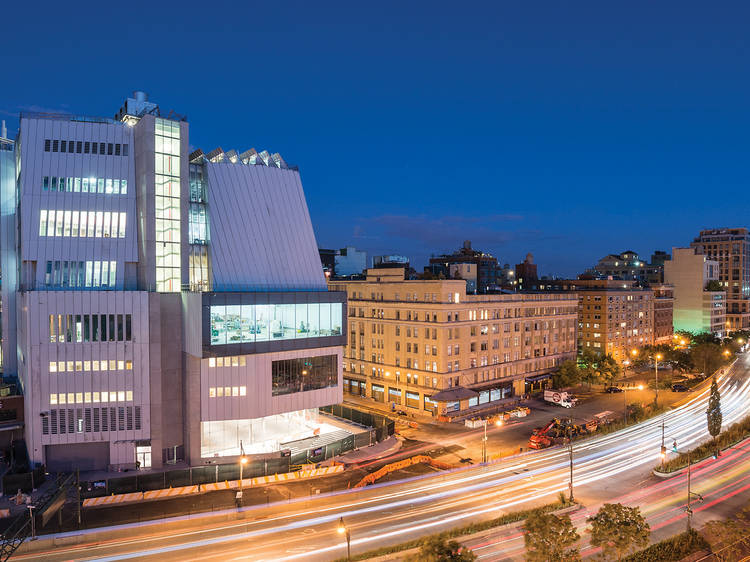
column 243, row 462
column 342, row 528
column 658, row 358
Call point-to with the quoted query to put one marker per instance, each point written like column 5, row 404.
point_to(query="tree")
column 706, row 356
column 609, row 369
column 617, row 529
column 437, row 549
column 550, row 538
column 587, row 362
column 714, row 285
column 713, row 413
column 567, row 375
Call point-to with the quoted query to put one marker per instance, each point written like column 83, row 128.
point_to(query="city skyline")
column 523, row 132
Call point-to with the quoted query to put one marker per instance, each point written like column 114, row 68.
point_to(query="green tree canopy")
column 617, row 529
column 713, row 413
column 550, row 538
column 436, row 549
column 567, row 375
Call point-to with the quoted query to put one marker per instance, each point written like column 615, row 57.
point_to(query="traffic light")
column 663, row 453
column 674, row 446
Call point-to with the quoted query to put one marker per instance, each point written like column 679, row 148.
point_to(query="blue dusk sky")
column 565, row 129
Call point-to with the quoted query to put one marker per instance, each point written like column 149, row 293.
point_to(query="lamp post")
column 498, row 423
column 243, row 462
column 690, row 493
column 657, row 358
column 570, row 455
column 33, row 522
column 343, row 529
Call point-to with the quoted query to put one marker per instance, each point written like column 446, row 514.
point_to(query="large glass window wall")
column 251, row 323
column 167, row 205
column 302, row 374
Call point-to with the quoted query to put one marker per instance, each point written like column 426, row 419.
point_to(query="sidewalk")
column 371, row 453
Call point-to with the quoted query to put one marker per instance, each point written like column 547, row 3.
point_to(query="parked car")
column 613, row 389
column 679, row 388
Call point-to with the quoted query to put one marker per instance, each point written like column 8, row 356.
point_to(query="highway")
column 614, row 467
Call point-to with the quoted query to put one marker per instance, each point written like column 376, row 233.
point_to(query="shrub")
column 672, row 549
column 734, row 434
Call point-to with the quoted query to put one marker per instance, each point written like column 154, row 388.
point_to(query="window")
column 299, row 375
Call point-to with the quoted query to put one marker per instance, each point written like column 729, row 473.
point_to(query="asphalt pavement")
column 606, row 467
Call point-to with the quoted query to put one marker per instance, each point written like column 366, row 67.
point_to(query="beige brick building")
column 428, row 346
column 614, row 316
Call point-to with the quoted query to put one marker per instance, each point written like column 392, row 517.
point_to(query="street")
column 606, row 467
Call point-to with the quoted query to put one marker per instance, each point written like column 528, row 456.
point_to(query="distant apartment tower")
column 350, row 261
column 697, row 308
column 159, row 314
column 614, row 316
column 731, row 248
column 428, row 346
column 486, row 264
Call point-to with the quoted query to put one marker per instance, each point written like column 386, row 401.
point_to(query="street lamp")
column 243, row 462
column 657, row 358
column 33, row 521
column 342, row 529
column 570, row 453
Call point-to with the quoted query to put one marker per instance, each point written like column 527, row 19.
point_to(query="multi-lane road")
column 615, row 467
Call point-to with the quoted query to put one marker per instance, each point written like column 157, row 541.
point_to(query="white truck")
column 560, row 398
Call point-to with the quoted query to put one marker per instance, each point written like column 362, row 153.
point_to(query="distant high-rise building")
column 698, row 306
column 731, row 248
column 487, row 266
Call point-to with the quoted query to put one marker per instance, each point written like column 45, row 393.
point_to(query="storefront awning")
column 453, row 394
column 537, row 378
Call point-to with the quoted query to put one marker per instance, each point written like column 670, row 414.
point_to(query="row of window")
column 107, row 186
column 90, row 366
column 80, row 420
column 83, row 224
column 78, row 328
column 89, row 397
column 226, row 391
column 85, row 147
column 167, row 151
column 232, row 361
column 80, row 274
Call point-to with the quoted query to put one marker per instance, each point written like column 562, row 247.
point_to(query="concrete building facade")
column 696, row 308
column 427, row 346
column 730, row 247
column 158, row 316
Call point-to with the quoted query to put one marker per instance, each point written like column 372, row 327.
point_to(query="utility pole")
column 689, row 510
column 570, row 453
column 78, row 497
column 484, row 443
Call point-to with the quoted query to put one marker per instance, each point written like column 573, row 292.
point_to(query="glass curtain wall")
column 267, row 322
column 167, row 205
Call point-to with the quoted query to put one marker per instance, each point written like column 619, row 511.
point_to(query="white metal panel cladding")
column 37, row 163
column 261, row 235
column 256, row 376
column 38, row 352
